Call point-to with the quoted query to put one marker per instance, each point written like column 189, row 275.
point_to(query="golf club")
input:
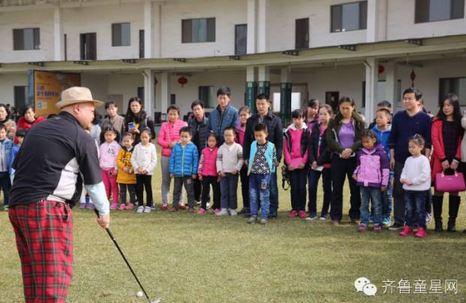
column 127, row 263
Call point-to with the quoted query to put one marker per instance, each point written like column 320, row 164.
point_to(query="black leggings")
column 206, row 182
column 144, row 181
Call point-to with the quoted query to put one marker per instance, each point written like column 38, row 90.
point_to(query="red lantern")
column 182, row 81
column 413, row 76
column 381, row 69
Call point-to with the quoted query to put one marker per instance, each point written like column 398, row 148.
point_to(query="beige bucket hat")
column 75, row 95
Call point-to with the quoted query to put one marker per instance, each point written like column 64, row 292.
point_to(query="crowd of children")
column 395, row 160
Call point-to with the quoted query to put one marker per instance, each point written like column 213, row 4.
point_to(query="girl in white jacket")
column 144, row 159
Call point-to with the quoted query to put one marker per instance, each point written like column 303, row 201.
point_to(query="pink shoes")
column 421, row 233
column 216, row 211
column 302, row 214
column 130, row 206
column 201, row 211
column 114, row 206
column 122, row 207
column 293, row 214
column 407, row 231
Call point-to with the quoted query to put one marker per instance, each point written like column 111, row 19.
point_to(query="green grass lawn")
column 185, row 257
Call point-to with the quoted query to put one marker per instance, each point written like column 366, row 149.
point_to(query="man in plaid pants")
column 57, row 156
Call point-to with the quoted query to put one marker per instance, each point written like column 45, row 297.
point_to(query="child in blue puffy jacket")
column 183, row 167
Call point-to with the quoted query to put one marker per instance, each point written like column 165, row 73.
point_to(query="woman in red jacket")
column 446, row 157
column 28, row 119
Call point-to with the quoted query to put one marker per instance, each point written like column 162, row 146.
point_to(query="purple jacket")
column 373, row 167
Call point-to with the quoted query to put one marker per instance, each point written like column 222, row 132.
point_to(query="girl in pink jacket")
column 108, row 153
column 169, row 135
column 208, row 174
column 295, row 151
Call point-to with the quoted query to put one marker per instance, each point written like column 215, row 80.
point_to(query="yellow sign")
column 47, row 90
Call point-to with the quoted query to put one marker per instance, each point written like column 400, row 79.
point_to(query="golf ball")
column 139, row 294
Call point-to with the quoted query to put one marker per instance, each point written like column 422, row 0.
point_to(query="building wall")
column 99, row 19
column 7, row 84
column 400, row 23
column 280, row 27
column 17, row 20
column 227, row 14
column 281, row 24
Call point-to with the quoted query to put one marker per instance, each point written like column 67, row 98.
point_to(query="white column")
column 285, row 75
column 157, row 34
column 262, row 46
column 148, row 29
column 250, row 74
column 376, row 20
column 58, row 35
column 391, row 84
column 149, row 92
column 165, row 81
column 252, row 20
column 264, row 73
column 372, row 82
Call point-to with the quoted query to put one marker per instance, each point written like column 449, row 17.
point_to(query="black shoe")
column 451, row 227
column 438, row 225
column 395, row 227
column 272, row 216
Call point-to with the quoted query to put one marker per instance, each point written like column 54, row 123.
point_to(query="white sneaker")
column 140, row 209
column 147, row 210
column 223, row 212
column 233, row 212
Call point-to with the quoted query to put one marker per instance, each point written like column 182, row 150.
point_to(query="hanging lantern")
column 182, row 81
column 381, row 69
column 413, row 76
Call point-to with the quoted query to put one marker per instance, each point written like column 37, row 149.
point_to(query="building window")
column 198, row 30
column 349, row 17
column 438, row 10
column 453, row 85
column 20, row 95
column 207, row 96
column 121, row 34
column 26, row 39
column 241, row 39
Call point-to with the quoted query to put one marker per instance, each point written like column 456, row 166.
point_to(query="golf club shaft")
column 124, row 258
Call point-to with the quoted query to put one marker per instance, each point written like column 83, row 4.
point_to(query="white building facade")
column 177, row 51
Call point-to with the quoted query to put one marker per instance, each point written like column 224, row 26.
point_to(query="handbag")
column 449, row 183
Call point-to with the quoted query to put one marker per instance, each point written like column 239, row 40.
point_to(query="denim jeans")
column 259, row 187
column 273, row 194
column 387, row 198
column 228, row 191
column 415, row 207
column 369, row 194
column 298, row 188
column 314, row 177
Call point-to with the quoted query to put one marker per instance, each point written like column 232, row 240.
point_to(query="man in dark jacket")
column 275, row 135
column 223, row 116
column 198, row 127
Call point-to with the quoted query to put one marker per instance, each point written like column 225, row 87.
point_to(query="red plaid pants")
column 44, row 238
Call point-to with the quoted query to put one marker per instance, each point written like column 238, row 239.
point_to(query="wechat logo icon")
column 364, row 284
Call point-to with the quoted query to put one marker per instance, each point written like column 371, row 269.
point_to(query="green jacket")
column 334, row 127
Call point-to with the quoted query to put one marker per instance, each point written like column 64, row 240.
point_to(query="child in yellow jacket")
column 126, row 178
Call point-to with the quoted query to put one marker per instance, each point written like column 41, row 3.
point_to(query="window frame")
column 186, row 26
column 120, row 39
column 20, row 45
column 417, row 17
column 362, row 23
